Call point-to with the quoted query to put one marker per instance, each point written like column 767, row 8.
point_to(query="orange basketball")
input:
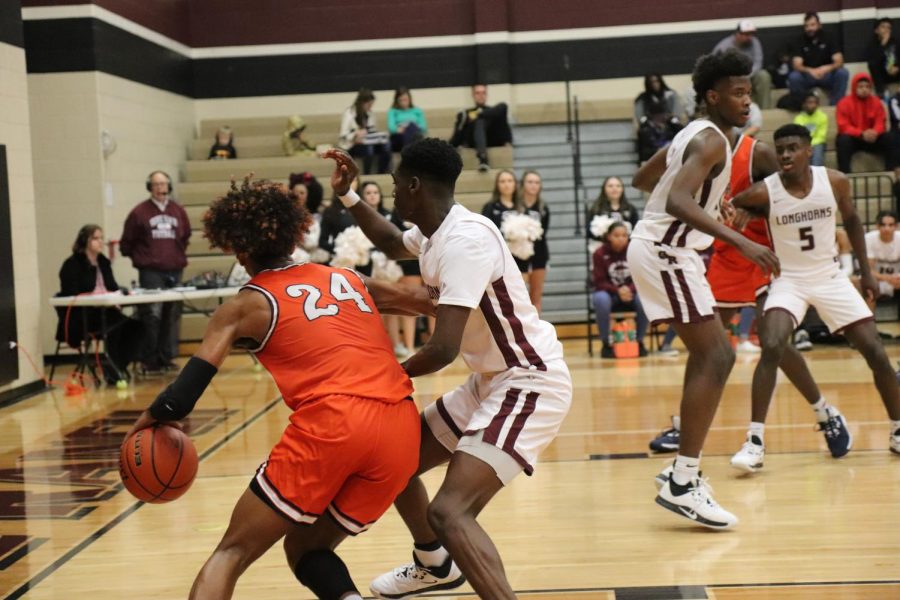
column 158, row 464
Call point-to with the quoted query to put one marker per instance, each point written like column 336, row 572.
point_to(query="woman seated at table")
column 86, row 271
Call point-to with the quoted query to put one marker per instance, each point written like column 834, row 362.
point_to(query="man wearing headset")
column 155, row 236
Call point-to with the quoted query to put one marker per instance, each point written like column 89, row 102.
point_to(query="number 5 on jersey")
column 341, row 290
column 806, row 236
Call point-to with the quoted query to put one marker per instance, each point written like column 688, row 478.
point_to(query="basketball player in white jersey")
column 801, row 204
column 495, row 425
column 680, row 218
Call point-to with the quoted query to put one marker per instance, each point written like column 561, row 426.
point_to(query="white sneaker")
column 663, row 476
column 415, row 578
column 694, row 501
column 748, row 347
column 895, row 442
column 750, row 457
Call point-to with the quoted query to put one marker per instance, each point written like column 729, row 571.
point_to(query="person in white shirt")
column 883, row 249
column 801, row 204
column 496, row 424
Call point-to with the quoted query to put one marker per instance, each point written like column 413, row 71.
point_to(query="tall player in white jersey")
column 495, row 425
column 681, row 218
column 801, row 204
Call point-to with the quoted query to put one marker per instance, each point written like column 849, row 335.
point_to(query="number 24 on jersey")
column 341, row 290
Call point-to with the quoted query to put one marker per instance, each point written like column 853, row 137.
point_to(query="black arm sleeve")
column 177, row 401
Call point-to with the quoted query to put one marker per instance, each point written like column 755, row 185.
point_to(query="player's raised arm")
column 384, row 234
column 703, row 155
column 852, row 224
column 651, row 171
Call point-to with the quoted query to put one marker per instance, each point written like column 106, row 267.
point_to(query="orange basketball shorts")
column 345, row 456
column 734, row 280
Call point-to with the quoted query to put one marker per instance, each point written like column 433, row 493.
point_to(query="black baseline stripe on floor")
column 59, row 562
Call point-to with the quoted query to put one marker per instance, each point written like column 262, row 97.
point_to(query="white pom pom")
column 600, row 225
column 385, row 269
column 311, row 239
column 520, row 232
column 351, row 248
column 319, row 256
column 299, row 255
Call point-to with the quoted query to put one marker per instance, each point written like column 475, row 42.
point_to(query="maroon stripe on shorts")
column 492, row 432
column 673, row 298
column 509, row 311
column 519, row 422
column 493, row 321
column 442, row 410
column 671, row 231
column 704, row 198
column 693, row 313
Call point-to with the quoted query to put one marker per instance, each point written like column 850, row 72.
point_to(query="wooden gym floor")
column 584, row 526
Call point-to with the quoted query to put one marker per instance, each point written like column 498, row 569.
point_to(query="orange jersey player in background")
column 353, row 437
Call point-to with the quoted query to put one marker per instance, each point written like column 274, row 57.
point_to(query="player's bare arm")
column 853, row 226
column 247, row 315
column 704, row 156
column 443, row 346
column 384, row 234
column 398, row 299
column 651, row 171
column 754, row 201
column 765, row 162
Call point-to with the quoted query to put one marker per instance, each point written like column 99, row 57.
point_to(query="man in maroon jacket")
column 155, row 236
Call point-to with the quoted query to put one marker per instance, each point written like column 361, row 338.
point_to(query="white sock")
column 686, row 469
column 432, row 558
column 895, row 427
column 821, row 407
column 757, row 429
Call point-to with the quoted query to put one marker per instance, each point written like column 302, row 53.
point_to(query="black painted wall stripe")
column 84, row 44
column 11, row 23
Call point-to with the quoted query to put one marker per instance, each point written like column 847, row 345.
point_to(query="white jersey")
column 659, row 226
column 467, row 263
column 885, row 254
column 802, row 229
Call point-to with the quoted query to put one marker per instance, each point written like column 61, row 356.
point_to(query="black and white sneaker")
column 415, row 578
column 694, row 501
column 670, row 439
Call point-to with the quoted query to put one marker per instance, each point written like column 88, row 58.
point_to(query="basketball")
column 158, row 464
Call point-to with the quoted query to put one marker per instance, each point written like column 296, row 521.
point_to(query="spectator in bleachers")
column 754, row 123
column 309, row 191
column 656, row 130
column 817, row 62
column 656, row 92
column 744, row 40
column 406, row 122
column 614, row 289
column 223, row 146
column 482, row 126
column 360, row 136
column 534, row 206
column 612, row 203
column 293, row 140
column 881, row 55
column 860, row 121
column 883, row 252
column 816, row 121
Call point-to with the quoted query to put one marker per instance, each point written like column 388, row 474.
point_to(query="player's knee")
column 722, row 359
column 772, row 347
column 443, row 514
column 874, row 353
column 323, row 572
column 236, row 554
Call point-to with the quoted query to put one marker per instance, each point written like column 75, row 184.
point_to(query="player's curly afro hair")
column 261, row 218
column 432, row 159
column 710, row 68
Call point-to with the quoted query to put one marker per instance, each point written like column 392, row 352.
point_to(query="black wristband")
column 178, row 399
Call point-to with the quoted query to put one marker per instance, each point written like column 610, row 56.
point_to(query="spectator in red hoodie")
column 155, row 236
column 613, row 287
column 861, row 119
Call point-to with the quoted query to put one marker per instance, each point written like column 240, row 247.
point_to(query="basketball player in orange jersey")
column 353, row 437
column 736, row 282
column 801, row 203
column 680, row 218
column 495, row 425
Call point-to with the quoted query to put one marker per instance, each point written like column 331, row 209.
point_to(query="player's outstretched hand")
column 762, row 256
column 741, row 218
column 144, row 421
column 345, row 170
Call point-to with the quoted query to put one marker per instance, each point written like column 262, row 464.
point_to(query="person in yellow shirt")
column 816, row 121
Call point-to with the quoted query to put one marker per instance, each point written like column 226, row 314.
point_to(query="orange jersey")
column 326, row 337
column 742, row 179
